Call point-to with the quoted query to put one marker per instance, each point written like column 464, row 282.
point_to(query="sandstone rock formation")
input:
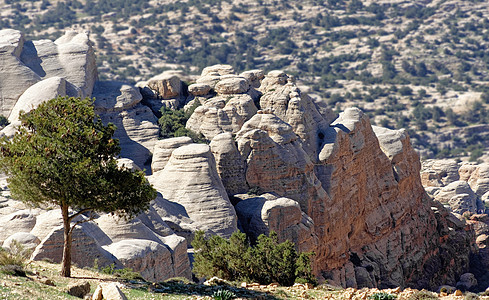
column 439, row 172
column 71, row 57
column 15, row 76
column 459, row 196
column 260, row 215
column 137, row 131
column 190, row 178
column 233, row 105
column 163, row 150
column 349, row 191
column 229, row 163
column 36, row 94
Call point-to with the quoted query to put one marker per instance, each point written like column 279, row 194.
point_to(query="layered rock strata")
column 190, row 179
column 360, row 185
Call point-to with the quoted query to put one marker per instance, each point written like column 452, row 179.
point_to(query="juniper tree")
column 64, row 156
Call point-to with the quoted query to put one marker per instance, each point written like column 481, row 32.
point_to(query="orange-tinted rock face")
column 373, row 219
column 375, row 224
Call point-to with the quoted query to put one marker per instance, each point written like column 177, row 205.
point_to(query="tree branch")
column 70, row 218
column 92, row 216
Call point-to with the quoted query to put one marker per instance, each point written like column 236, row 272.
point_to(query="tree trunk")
column 66, row 263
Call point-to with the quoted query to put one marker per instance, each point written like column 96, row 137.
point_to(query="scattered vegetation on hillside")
column 393, row 60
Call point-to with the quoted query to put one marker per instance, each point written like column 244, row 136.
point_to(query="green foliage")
column 12, row 259
column 172, row 123
column 382, row 296
column 61, row 156
column 64, row 156
column 223, row 295
column 3, row 121
column 266, row 262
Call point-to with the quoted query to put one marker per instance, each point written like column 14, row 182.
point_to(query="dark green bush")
column 172, row 123
column 223, row 295
column 3, row 121
column 266, row 262
column 382, row 296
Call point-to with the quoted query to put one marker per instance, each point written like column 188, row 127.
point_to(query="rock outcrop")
column 229, row 163
column 71, row 57
column 266, row 213
column 24, row 63
column 15, row 76
column 190, row 179
column 233, row 105
column 119, row 103
column 163, row 150
column 336, row 185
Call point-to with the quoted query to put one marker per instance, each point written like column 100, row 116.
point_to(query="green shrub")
column 12, row 260
column 223, row 295
column 234, row 259
column 3, row 121
column 382, row 296
column 172, row 123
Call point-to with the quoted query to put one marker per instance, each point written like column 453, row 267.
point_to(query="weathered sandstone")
column 190, row 179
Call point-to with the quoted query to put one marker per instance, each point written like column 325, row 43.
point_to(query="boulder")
column 19, row 221
column 274, row 78
column 115, row 97
column 27, row 240
column 166, row 86
column 232, row 85
column 163, row 150
column 218, row 70
column 78, row 289
column 190, row 179
column 254, row 77
column 108, row 291
column 459, row 196
column 199, row 89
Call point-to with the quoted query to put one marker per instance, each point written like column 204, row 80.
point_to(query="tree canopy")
column 64, row 156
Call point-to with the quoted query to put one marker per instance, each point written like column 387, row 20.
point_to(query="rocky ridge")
column 336, row 185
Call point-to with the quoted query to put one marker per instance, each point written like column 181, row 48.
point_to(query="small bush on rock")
column 382, row 296
column 234, row 259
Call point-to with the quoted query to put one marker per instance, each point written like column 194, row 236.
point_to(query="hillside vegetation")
column 419, row 65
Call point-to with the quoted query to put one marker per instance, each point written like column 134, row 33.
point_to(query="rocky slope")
column 419, row 65
column 336, row 185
